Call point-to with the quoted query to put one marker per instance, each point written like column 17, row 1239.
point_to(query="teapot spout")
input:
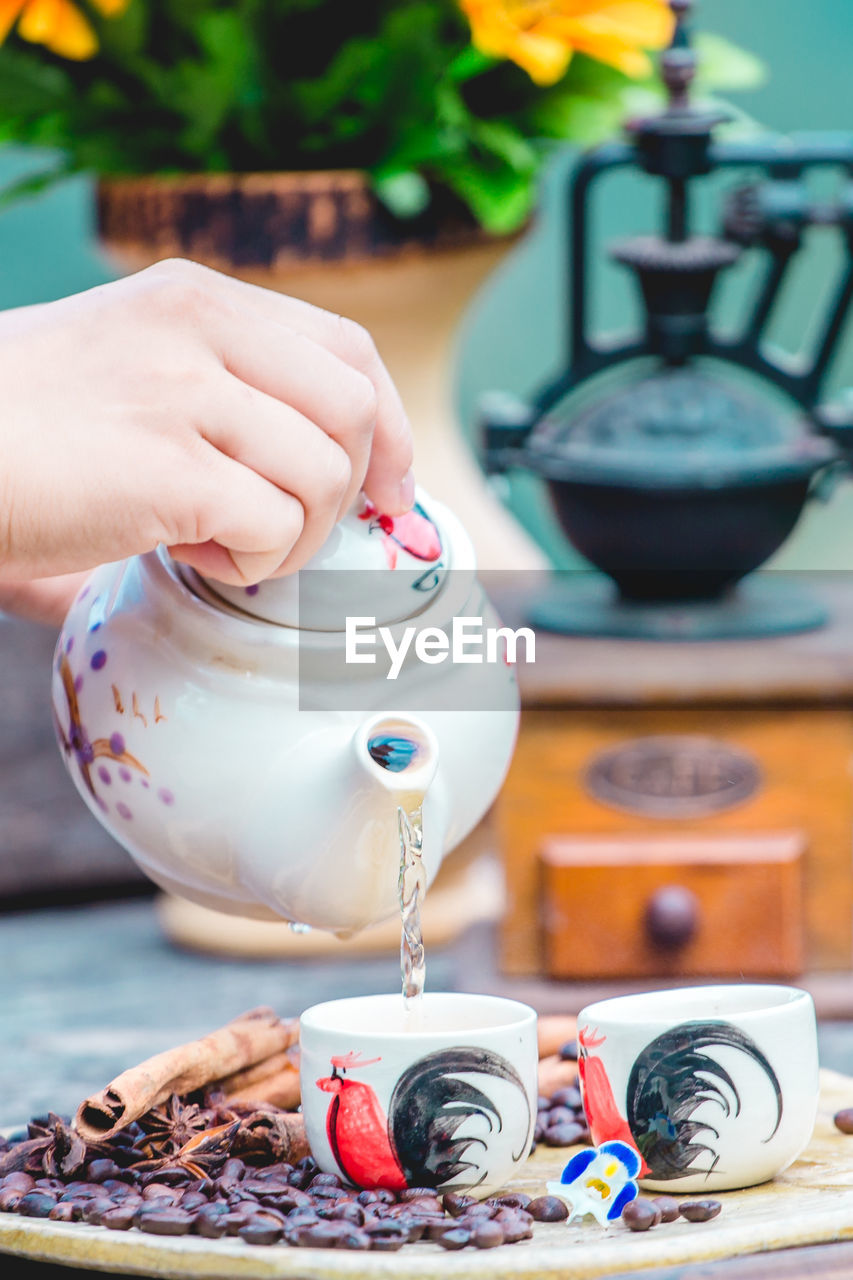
column 398, row 752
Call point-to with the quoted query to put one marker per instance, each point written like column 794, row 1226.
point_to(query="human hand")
column 233, row 424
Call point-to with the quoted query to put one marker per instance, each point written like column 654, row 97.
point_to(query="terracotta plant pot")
column 324, row 237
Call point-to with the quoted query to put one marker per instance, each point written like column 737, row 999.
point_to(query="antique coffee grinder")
column 679, row 459
column 679, row 810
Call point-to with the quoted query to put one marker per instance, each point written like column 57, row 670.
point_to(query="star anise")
column 170, row 1127
column 53, row 1148
column 202, row 1156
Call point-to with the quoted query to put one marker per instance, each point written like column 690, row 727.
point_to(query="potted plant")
column 373, row 158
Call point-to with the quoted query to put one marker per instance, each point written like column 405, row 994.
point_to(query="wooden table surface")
column 88, row 989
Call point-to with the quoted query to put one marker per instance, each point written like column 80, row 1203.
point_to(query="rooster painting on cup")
column 670, row 1080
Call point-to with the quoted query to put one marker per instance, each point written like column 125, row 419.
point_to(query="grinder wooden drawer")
column 658, row 905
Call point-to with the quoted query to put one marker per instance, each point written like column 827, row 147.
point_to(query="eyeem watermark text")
column 467, row 640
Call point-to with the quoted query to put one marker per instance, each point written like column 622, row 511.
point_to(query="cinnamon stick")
column 241, row 1083
column 280, row 1090
column 250, row 1039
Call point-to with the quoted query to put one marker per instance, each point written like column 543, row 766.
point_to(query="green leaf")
column 507, row 143
column 576, row 118
column 405, row 194
column 723, row 65
column 29, row 85
column 32, row 184
column 468, row 63
column 500, row 198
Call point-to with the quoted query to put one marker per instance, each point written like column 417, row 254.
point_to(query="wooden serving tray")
column 811, row 1203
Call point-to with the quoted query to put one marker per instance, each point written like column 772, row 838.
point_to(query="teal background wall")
column 512, row 336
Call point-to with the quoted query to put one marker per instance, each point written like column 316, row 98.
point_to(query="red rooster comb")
column 590, row 1039
column 345, row 1061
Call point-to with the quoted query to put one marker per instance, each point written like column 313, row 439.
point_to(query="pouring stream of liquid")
column 412, row 887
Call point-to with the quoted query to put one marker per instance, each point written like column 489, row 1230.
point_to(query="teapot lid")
column 388, row 567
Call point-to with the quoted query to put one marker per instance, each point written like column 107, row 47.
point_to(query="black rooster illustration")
column 670, row 1079
column 418, row 1143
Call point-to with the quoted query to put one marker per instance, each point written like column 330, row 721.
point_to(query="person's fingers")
column 45, row 600
column 243, row 526
column 388, row 482
column 288, row 450
column 300, row 373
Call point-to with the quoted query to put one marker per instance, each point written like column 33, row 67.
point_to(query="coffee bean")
column 844, row 1120
column 387, row 1244
column 516, row 1200
column 423, row 1204
column 456, row 1204
column 416, row 1193
column 355, row 1239
column 169, row 1176
column 100, row 1169
column 548, row 1209
column 351, row 1212
column 239, row 1196
column 668, row 1208
column 326, row 1192
column 20, row 1181
column 36, row 1204
column 482, row 1210
column 699, row 1210
column 63, row 1211
column 320, row 1235
column 210, row 1222
column 235, row 1219
column 269, row 1215
column 568, row 1051
column 192, row 1200
column 456, row 1238
column 569, row 1096
column 158, row 1191
column 93, row 1210
column 286, row 1200
column 119, row 1219
column 84, row 1189
column 277, row 1171
column 367, row 1197
column 325, row 1180
column 488, row 1235
column 303, row 1214
column 640, row 1215
column 560, row 1115
column 49, row 1184
column 165, row 1222
column 10, row 1198
column 256, row 1232
column 384, row 1196
column 516, row 1226
column 562, row 1135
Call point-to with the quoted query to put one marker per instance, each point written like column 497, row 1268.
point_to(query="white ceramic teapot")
column 178, row 703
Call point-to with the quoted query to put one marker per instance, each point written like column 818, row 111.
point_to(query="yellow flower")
column 542, row 35
column 57, row 24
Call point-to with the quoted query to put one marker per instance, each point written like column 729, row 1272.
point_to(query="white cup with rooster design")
column 440, row 1096
column 716, row 1087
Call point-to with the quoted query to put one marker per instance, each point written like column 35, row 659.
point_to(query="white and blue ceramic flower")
column 599, row 1181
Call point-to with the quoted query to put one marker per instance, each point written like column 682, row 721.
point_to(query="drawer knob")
column 672, row 917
